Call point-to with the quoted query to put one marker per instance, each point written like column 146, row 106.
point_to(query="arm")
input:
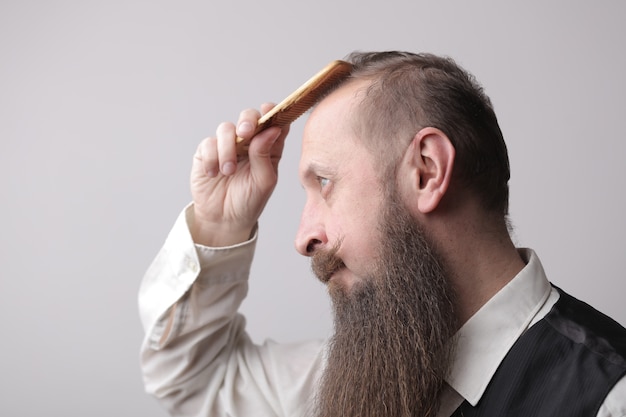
column 614, row 404
column 196, row 357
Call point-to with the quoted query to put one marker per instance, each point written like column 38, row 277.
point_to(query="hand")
column 229, row 194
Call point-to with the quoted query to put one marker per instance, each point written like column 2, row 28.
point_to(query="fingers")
column 226, row 150
column 265, row 107
column 261, row 148
column 227, row 134
column 205, row 161
column 218, row 154
column 213, row 154
column 267, row 148
column 247, row 123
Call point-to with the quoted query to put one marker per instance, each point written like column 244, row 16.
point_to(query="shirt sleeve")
column 196, row 357
column 615, row 403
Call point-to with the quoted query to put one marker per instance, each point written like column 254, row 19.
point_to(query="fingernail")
column 228, row 168
column 211, row 173
column 244, row 127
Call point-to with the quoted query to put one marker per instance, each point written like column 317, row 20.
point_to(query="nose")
column 311, row 233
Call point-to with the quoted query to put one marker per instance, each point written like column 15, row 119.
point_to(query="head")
column 408, row 92
column 394, row 304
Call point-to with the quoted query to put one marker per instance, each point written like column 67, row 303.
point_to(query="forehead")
column 329, row 135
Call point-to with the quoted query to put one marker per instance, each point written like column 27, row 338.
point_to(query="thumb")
column 260, row 153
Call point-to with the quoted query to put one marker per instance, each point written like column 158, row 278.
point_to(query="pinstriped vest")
column 563, row 366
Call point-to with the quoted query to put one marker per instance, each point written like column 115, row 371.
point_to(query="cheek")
column 365, row 217
column 361, row 238
column 356, row 222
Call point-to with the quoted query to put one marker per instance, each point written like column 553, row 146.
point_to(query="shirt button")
column 192, row 265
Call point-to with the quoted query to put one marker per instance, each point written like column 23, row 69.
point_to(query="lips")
column 325, row 279
column 325, row 264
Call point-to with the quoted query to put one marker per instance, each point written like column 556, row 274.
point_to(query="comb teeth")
column 291, row 113
column 301, row 100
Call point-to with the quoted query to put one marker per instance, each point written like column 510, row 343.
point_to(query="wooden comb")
column 300, row 100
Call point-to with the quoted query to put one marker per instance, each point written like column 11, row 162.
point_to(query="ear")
column 429, row 161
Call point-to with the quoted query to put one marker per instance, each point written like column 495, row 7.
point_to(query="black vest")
column 563, row 366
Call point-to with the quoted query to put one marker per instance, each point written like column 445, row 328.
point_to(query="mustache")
column 325, row 262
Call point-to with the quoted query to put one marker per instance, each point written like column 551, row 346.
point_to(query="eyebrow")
column 315, row 169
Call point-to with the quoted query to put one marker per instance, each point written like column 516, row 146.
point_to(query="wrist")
column 217, row 234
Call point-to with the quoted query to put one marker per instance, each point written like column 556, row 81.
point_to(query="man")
column 436, row 312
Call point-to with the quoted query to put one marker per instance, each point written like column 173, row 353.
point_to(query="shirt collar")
column 485, row 339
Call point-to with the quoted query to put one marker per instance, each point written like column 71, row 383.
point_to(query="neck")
column 480, row 258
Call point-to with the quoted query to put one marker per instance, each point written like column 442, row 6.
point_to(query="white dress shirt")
column 198, row 360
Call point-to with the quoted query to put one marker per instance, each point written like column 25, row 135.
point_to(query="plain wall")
column 102, row 105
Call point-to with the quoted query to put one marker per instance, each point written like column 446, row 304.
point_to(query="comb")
column 300, row 100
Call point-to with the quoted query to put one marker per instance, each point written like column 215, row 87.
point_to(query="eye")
column 323, row 181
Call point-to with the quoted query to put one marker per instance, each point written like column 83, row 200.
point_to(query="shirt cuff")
column 179, row 265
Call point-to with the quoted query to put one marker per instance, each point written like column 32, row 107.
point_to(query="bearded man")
column 436, row 312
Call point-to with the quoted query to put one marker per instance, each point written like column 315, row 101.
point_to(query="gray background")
column 103, row 103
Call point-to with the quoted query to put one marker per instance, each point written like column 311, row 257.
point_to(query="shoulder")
column 584, row 325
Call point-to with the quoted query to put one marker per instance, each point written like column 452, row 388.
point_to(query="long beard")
column 392, row 345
